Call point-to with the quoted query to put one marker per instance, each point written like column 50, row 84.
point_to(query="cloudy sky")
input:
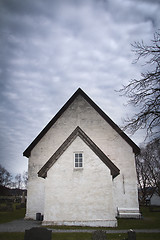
column 50, row 48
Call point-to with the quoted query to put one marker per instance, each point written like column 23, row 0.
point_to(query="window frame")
column 74, row 160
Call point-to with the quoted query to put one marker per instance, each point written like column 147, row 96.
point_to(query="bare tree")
column 25, row 179
column 153, row 160
column 18, row 181
column 142, row 176
column 144, row 93
column 148, row 170
column 5, row 177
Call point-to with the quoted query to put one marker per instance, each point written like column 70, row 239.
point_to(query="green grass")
column 82, row 236
column 148, row 236
column 150, row 220
column 10, row 216
column 12, row 236
column 71, row 236
column 113, row 236
column 85, row 236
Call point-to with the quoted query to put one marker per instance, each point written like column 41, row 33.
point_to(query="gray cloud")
column 50, row 48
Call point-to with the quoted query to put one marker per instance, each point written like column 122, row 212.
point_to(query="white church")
column 81, row 168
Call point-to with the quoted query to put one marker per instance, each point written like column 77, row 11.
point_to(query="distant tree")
column 148, row 170
column 5, row 177
column 18, row 181
column 25, row 179
column 144, row 93
column 153, row 160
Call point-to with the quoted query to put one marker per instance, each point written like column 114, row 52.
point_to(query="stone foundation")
column 95, row 223
column 128, row 213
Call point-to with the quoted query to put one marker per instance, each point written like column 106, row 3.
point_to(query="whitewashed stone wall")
column 80, row 113
column 79, row 196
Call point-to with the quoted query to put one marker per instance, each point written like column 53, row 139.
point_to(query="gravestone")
column 99, row 235
column 37, row 233
column 131, row 235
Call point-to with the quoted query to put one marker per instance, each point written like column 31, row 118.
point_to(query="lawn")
column 12, row 215
column 82, row 236
column 150, row 220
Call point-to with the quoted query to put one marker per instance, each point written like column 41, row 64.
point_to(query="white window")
column 78, row 160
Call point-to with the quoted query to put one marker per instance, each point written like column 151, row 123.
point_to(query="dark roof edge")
column 27, row 152
column 136, row 149
column 78, row 132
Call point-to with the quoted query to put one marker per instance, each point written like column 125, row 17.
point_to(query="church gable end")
column 81, row 156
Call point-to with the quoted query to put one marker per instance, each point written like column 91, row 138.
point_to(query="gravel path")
column 21, row 225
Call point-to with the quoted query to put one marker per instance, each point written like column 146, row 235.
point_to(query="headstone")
column 131, row 235
column 99, row 235
column 38, row 233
